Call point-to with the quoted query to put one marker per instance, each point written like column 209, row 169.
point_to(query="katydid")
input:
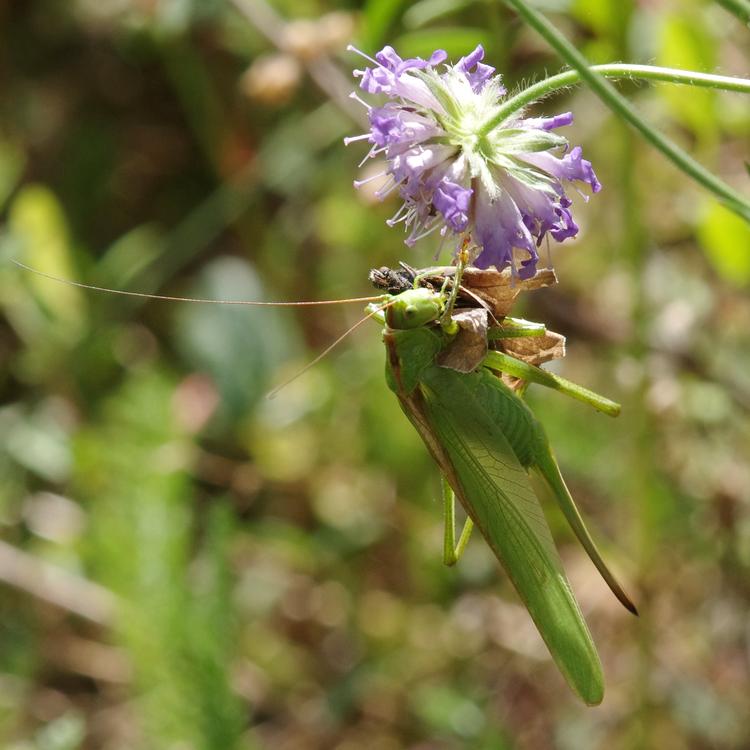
column 487, row 442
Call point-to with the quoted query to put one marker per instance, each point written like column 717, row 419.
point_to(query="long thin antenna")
column 273, row 393
column 167, row 298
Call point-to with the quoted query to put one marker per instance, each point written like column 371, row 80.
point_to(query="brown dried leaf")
column 500, row 289
column 536, row 350
column 467, row 350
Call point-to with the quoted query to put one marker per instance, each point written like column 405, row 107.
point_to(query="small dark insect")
column 391, row 280
column 397, row 280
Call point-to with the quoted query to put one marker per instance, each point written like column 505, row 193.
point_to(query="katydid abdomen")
column 494, row 489
column 529, row 442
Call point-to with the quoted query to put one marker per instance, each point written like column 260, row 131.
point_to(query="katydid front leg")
column 446, row 320
column 451, row 551
column 520, row 369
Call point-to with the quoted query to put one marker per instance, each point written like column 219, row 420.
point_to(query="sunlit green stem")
column 514, row 328
column 616, row 71
column 740, row 8
column 525, row 371
column 446, row 320
column 433, row 271
column 621, row 107
column 452, row 551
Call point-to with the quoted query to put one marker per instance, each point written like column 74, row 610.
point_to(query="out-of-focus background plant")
column 186, row 564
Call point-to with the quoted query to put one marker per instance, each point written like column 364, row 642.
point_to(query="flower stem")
column 615, row 71
column 621, row 107
column 740, row 8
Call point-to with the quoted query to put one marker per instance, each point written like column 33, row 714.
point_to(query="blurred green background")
column 187, row 564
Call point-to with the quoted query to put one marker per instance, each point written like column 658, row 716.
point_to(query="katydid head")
column 414, row 308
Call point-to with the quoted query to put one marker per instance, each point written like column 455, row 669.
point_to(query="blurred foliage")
column 266, row 573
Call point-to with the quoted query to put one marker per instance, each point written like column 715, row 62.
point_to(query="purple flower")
column 498, row 189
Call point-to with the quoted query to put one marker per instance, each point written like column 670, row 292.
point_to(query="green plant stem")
column 740, row 8
column 621, row 107
column 615, row 71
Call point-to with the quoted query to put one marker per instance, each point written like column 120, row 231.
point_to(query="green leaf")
column 12, row 162
column 40, row 233
column 377, row 19
column 686, row 44
column 456, row 41
column 725, row 239
column 128, row 255
column 176, row 621
column 740, row 8
column 238, row 347
column 598, row 15
column 427, row 11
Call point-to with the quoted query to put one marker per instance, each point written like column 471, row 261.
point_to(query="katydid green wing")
column 470, row 417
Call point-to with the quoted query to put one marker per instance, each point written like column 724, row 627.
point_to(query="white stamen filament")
column 354, row 138
column 372, row 153
column 386, row 190
column 359, row 99
column 358, row 183
column 352, row 48
column 412, row 239
column 397, row 218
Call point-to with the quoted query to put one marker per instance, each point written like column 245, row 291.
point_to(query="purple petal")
column 411, row 164
column 481, row 74
column 453, row 201
column 385, row 126
column 548, row 123
column 391, row 125
column 383, row 80
column 470, row 60
column 500, row 228
column 566, row 226
column 577, row 168
column 570, row 167
column 437, row 57
column 542, row 212
column 377, row 80
column 389, row 59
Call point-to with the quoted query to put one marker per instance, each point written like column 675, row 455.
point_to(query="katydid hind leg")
column 506, row 363
column 546, row 465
